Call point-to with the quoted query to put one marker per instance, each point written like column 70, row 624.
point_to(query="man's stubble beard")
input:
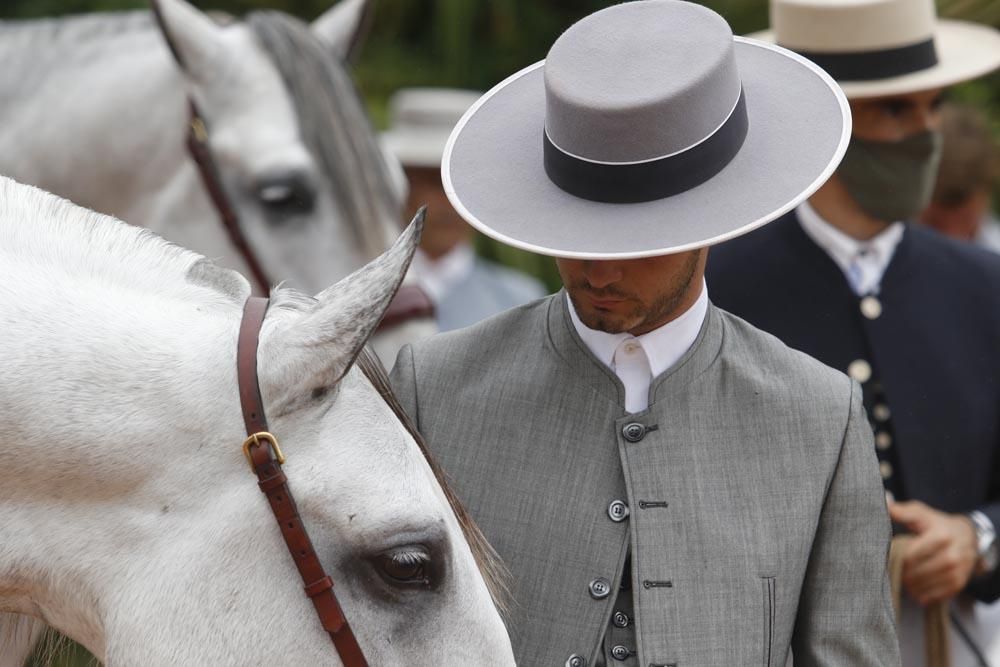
column 640, row 317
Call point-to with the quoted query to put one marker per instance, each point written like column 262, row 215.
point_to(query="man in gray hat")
column 668, row 485
column 910, row 315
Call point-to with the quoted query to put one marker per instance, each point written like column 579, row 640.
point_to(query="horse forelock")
column 491, row 567
column 335, row 127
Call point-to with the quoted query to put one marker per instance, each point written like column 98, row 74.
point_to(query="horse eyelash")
column 408, row 558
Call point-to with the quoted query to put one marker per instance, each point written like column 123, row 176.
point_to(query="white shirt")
column 636, row 360
column 863, row 262
column 440, row 276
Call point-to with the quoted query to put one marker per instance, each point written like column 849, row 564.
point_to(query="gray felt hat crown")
column 649, row 129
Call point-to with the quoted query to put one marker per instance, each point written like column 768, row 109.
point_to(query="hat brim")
column 965, row 51
column 799, row 127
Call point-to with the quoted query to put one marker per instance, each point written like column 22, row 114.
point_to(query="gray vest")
column 756, row 519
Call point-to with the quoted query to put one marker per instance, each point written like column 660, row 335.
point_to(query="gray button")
column 618, row 511
column 860, row 370
column 885, row 468
column 871, row 307
column 620, row 619
column 883, row 440
column 634, row 432
column 575, row 661
column 619, row 652
column 881, row 412
column 600, row 588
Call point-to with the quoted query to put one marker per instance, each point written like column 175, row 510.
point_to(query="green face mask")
column 892, row 180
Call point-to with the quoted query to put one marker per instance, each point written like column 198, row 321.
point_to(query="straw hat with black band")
column 884, row 47
column 648, row 130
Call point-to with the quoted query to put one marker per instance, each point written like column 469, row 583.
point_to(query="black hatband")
column 874, row 65
column 651, row 180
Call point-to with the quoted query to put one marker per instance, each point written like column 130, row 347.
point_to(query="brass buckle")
column 199, row 130
column 255, row 440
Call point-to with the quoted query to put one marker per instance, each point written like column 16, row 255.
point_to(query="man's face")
column 896, row 117
column 444, row 228
column 634, row 295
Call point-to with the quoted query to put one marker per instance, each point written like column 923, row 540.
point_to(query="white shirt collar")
column 440, row 276
column 863, row 262
column 663, row 346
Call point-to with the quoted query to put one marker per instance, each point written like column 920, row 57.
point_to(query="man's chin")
column 606, row 322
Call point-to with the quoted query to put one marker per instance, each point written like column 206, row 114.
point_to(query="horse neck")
column 101, row 387
column 101, row 119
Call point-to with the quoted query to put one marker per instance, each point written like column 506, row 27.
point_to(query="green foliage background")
column 474, row 44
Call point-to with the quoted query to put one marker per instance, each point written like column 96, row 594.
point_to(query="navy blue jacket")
column 935, row 347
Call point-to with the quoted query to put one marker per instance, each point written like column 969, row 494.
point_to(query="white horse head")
column 95, row 109
column 129, row 519
column 315, row 196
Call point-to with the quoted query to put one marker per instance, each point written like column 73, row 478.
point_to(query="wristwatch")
column 986, row 542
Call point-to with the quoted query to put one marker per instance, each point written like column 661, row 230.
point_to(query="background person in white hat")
column 912, row 316
column 668, row 485
column 464, row 287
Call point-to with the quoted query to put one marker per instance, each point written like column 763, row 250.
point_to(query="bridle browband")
column 265, row 457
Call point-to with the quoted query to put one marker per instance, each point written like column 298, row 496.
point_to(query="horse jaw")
column 340, row 322
column 341, row 26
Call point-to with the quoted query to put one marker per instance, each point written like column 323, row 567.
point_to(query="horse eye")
column 285, row 194
column 410, row 566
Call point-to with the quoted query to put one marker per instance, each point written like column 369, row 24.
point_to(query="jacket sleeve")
column 845, row 614
column 404, row 383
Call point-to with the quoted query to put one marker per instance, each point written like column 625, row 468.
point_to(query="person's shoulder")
column 489, row 338
column 958, row 257
column 516, row 282
column 764, row 362
column 758, row 243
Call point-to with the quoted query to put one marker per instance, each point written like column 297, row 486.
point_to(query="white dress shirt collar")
column 663, row 347
column 440, row 276
column 863, row 262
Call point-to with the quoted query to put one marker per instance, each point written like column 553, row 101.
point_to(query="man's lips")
column 604, row 301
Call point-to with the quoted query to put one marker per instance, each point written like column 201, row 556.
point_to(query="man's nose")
column 601, row 274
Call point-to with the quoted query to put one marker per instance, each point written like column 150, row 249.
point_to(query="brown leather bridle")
column 265, row 457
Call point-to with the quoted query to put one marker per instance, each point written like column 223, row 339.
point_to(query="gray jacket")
column 757, row 519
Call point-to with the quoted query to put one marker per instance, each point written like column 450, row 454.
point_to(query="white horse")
column 95, row 109
column 129, row 518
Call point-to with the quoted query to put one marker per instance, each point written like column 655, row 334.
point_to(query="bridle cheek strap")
column 265, row 457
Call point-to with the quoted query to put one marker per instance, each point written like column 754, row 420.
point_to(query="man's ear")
column 194, row 39
column 308, row 355
column 343, row 27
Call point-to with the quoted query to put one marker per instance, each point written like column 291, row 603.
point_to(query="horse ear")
column 194, row 39
column 343, row 27
column 311, row 353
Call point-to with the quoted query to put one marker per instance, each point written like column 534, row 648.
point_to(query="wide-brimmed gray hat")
column 884, row 47
column 648, row 130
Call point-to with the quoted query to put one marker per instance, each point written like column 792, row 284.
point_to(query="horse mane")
column 490, row 565
column 334, row 125
column 42, row 230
